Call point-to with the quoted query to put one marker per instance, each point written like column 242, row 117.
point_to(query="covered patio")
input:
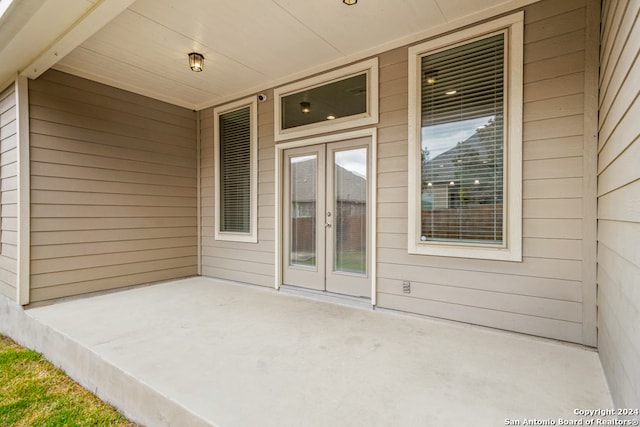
column 201, row 351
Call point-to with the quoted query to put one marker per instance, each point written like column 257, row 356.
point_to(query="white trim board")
column 97, row 17
column 24, row 189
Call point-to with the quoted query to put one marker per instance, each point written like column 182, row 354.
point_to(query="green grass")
column 35, row 393
column 349, row 261
column 352, row 261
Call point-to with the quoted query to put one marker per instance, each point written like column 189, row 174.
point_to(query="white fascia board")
column 91, row 22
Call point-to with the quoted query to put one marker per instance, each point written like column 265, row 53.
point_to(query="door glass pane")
column 350, row 206
column 302, row 247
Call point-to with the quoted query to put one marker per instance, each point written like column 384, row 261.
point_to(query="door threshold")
column 360, row 302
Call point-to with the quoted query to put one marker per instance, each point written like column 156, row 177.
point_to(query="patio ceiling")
column 249, row 45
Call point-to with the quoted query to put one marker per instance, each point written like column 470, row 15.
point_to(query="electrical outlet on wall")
column 406, row 287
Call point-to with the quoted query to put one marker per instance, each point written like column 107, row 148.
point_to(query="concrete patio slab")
column 200, row 351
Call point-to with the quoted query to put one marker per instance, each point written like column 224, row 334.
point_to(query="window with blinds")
column 235, row 141
column 465, row 142
column 462, row 102
column 235, row 171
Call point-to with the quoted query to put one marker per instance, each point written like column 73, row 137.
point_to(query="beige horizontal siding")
column 479, row 315
column 113, row 188
column 8, row 193
column 543, row 295
column 238, row 261
column 619, row 201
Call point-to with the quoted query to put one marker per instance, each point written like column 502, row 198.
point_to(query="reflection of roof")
column 481, row 150
column 352, row 188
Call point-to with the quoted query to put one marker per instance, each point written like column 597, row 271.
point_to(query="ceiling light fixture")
column 196, row 62
column 349, row 2
column 430, row 77
column 305, row 107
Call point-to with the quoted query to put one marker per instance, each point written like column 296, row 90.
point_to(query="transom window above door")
column 337, row 100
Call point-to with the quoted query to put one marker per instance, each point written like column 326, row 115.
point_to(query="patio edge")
column 131, row 397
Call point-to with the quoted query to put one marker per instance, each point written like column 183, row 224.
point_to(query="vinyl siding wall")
column 544, row 294
column 113, row 188
column 8, row 193
column 243, row 262
column 619, row 201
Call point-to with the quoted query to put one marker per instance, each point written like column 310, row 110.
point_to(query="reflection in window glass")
column 343, row 98
column 350, row 193
column 302, row 249
column 462, row 143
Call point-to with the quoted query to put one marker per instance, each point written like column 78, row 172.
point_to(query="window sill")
column 466, row 251
column 236, row 237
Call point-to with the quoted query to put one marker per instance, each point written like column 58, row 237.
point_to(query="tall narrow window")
column 465, row 142
column 462, row 143
column 235, row 164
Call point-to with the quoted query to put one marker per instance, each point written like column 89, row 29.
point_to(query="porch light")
column 349, row 2
column 196, row 62
column 305, row 107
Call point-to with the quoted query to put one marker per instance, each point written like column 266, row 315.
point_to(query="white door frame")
column 371, row 133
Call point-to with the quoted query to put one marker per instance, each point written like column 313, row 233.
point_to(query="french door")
column 326, row 217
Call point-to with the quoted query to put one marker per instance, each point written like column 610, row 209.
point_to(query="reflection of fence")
column 303, row 236
column 480, row 222
column 351, row 233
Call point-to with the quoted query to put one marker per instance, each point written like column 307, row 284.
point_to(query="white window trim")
column 511, row 250
column 252, row 103
column 370, row 117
